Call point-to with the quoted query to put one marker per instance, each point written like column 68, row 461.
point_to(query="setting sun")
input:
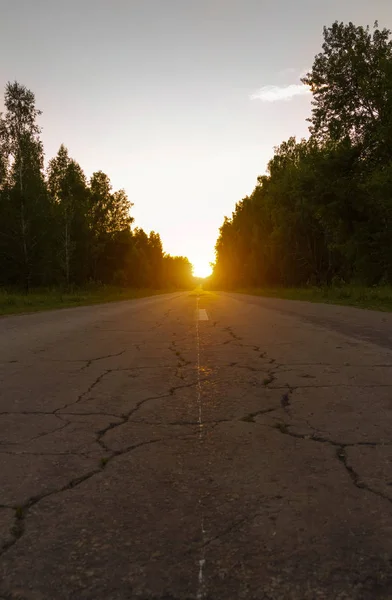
column 201, row 268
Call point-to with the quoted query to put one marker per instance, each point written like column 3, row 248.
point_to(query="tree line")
column 59, row 228
column 323, row 212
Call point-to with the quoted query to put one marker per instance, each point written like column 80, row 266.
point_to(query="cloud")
column 274, row 93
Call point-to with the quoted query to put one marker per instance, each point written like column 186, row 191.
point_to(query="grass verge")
column 374, row 298
column 12, row 302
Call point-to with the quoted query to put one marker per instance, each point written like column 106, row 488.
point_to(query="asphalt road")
column 147, row 454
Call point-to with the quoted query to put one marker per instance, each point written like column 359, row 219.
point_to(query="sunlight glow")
column 201, row 268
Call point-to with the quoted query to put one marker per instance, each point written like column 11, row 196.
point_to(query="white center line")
column 198, row 311
column 200, row 593
column 201, row 316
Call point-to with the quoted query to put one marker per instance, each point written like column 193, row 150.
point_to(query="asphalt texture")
column 146, row 454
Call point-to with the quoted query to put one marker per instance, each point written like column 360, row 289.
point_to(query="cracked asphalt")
column 145, row 454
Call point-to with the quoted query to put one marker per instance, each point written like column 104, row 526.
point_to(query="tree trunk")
column 23, row 224
column 67, row 252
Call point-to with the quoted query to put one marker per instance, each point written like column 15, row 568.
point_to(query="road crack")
column 86, row 392
column 355, row 477
column 340, row 454
column 21, row 512
column 90, row 361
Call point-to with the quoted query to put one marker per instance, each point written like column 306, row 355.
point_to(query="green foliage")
column 351, row 84
column 323, row 213
column 57, row 228
column 177, row 272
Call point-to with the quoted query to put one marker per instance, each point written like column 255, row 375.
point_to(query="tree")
column 177, row 272
column 108, row 218
column 67, row 186
column 62, row 229
column 28, row 208
column 323, row 212
column 3, row 153
column 351, row 82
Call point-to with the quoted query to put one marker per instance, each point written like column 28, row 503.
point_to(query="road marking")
column 201, row 316
column 200, row 593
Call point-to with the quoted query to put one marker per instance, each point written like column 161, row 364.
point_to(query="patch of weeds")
column 285, row 401
column 103, row 462
column 268, row 380
column 282, row 427
column 17, row 529
column 19, row 513
column 18, row 526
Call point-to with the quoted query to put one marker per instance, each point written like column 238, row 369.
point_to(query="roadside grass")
column 374, row 298
column 14, row 302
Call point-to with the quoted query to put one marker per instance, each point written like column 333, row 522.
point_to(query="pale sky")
column 180, row 102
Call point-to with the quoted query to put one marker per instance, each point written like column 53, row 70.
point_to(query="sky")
column 180, row 102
